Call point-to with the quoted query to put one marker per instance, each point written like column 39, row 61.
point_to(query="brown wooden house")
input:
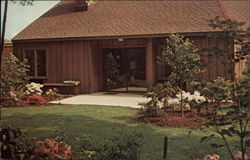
column 71, row 40
column 7, row 49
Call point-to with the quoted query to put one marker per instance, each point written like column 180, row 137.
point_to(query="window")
column 163, row 70
column 37, row 61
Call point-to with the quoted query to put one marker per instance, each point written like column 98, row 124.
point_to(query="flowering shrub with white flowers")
column 195, row 97
column 34, row 88
column 187, row 98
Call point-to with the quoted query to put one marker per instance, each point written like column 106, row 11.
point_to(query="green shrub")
column 235, row 122
column 14, row 79
column 13, row 145
column 215, row 92
column 159, row 95
column 52, row 94
column 16, row 146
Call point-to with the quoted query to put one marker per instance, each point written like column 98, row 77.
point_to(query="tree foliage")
column 235, row 122
column 215, row 92
column 112, row 67
column 112, row 70
column 233, row 34
column 14, row 76
column 3, row 22
column 182, row 56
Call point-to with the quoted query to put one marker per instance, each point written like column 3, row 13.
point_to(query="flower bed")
column 33, row 95
column 174, row 119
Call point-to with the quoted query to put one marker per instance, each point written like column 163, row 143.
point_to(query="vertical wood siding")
column 150, row 64
column 215, row 67
column 242, row 65
column 68, row 60
column 82, row 60
column 7, row 49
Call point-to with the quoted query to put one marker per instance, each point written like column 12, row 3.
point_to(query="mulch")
column 174, row 119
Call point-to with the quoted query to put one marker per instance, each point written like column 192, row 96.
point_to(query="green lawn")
column 76, row 121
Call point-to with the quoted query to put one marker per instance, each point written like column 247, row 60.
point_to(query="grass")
column 76, row 121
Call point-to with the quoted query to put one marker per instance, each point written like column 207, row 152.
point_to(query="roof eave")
column 111, row 37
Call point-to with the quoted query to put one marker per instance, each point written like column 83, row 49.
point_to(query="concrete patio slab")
column 103, row 98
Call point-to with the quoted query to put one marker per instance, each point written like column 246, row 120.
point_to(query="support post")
column 165, row 150
column 150, row 64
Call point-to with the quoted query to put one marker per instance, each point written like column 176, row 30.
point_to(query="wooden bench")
column 64, row 88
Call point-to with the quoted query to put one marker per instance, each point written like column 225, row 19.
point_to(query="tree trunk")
column 3, row 31
column 182, row 107
column 3, row 35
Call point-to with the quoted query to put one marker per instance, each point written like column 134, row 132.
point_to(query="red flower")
column 35, row 99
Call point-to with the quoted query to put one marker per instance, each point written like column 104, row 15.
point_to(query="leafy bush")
column 13, row 145
column 235, row 122
column 53, row 148
column 119, row 146
column 164, row 96
column 159, row 96
column 151, row 109
column 52, row 94
column 13, row 76
column 12, row 101
column 13, row 80
column 214, row 92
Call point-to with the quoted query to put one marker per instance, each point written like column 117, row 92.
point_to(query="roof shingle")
column 119, row 18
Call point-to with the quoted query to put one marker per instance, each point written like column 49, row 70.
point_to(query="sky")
column 19, row 16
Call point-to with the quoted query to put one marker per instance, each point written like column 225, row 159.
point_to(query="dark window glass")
column 41, row 62
column 30, row 56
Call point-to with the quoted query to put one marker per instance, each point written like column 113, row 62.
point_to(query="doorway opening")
column 125, row 69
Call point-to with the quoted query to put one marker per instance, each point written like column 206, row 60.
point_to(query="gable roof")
column 237, row 10
column 129, row 18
